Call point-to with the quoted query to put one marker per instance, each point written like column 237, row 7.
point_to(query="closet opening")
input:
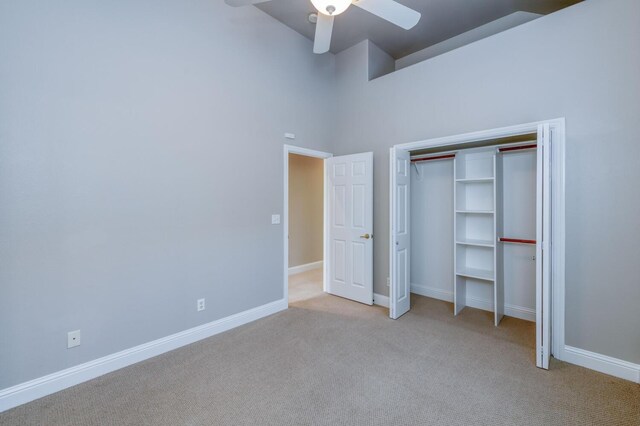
column 471, row 222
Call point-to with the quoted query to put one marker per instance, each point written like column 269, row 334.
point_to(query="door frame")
column 291, row 149
column 557, row 168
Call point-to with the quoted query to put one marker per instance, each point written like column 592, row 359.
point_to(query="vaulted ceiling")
column 441, row 20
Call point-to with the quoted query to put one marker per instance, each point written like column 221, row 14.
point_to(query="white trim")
column 306, row 267
column 291, row 149
column 557, row 127
column 558, row 235
column 46, row 385
column 515, row 311
column 502, row 132
column 432, row 292
column 521, row 312
column 380, row 300
column 603, row 363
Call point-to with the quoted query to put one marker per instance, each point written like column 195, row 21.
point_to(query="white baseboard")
column 521, row 312
column 380, row 300
column 432, row 292
column 46, row 385
column 602, row 363
column 306, row 267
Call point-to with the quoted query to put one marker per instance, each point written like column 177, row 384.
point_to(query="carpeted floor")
column 329, row 361
column 305, row 286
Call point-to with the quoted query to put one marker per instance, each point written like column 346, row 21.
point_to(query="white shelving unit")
column 476, row 199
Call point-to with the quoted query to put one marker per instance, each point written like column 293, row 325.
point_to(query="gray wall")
column 306, row 209
column 581, row 63
column 140, row 163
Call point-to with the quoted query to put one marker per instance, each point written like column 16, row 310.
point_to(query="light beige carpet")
column 329, row 361
column 305, row 286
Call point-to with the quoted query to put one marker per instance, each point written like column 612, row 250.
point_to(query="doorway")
column 346, row 265
column 305, row 227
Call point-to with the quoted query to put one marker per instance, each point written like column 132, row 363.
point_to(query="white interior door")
column 543, row 246
column 400, row 285
column 350, row 233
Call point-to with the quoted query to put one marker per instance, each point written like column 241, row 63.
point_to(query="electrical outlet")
column 73, row 339
column 388, row 282
column 275, row 219
column 201, row 305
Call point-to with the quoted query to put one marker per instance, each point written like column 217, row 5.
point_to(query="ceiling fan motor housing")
column 331, row 7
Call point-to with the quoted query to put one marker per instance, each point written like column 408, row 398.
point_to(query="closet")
column 477, row 219
column 473, row 227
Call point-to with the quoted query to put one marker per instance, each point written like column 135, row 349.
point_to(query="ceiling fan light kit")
column 389, row 10
column 331, row 7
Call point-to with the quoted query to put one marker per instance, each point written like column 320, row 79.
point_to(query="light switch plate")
column 275, row 219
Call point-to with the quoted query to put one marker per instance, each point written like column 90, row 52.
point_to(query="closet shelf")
column 475, row 180
column 475, row 211
column 475, row 242
column 480, row 274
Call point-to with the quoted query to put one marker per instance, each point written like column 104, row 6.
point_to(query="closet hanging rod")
column 518, row 148
column 517, row 241
column 437, row 157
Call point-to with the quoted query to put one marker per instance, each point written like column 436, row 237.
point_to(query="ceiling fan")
column 389, row 10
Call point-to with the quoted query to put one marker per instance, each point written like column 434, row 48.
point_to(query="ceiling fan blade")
column 236, row 3
column 391, row 11
column 324, row 28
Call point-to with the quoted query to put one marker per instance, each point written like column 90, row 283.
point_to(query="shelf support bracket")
column 418, row 172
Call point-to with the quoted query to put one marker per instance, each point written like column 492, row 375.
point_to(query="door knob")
column 366, row 236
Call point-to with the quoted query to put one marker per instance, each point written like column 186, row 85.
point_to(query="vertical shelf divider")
column 459, row 283
column 498, row 287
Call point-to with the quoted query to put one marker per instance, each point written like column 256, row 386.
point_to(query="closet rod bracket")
column 418, row 171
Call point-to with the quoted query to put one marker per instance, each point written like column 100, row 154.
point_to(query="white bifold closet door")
column 350, row 226
column 400, row 279
column 543, row 246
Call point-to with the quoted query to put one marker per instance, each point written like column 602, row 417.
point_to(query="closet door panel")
column 400, row 236
column 350, row 231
